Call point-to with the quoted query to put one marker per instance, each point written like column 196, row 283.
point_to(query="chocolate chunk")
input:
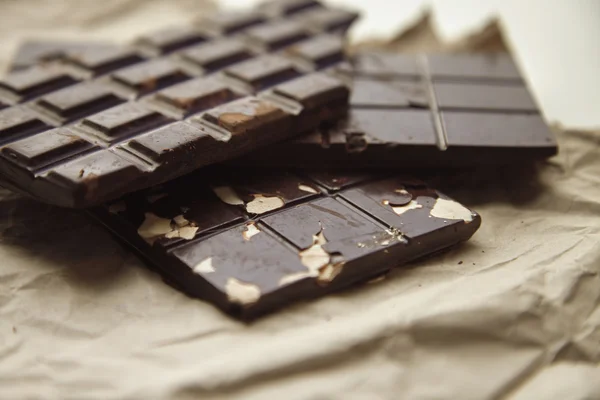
column 264, row 71
column 372, row 93
column 213, row 244
column 484, row 67
column 172, row 141
column 170, row 39
column 48, row 147
column 217, row 54
column 18, row 122
column 246, row 115
column 385, row 65
column 226, row 23
column 409, row 127
column 452, row 96
column 97, row 171
column 277, row 34
column 196, row 95
column 321, row 51
column 151, row 75
column 314, row 90
column 78, row 101
column 496, row 130
column 37, row 80
column 122, row 121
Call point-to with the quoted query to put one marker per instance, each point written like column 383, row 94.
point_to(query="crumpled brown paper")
column 513, row 314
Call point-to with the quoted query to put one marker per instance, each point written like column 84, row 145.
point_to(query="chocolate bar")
column 407, row 111
column 104, row 120
column 252, row 242
column 428, row 111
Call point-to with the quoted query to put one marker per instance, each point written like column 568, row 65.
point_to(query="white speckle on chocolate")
column 449, row 209
column 318, row 261
column 181, row 221
column 188, row 232
column 262, row 204
column 185, row 232
column 228, row 195
column 291, row 278
column 329, row 272
column 242, row 293
column 250, row 231
column 204, row 266
column 314, row 258
column 154, row 227
column 306, row 188
column 412, row 205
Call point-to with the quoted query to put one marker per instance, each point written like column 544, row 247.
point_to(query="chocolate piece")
column 217, row 54
column 97, row 60
column 483, row 67
column 227, row 23
column 379, row 64
column 151, row 75
column 17, row 122
column 252, row 243
column 264, row 71
column 196, row 95
column 482, row 97
column 277, row 34
column 170, row 39
column 31, row 82
column 122, row 121
column 404, row 116
column 78, row 101
column 157, row 119
column 321, row 51
column 46, row 148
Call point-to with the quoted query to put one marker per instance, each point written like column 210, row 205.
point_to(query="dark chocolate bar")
column 96, row 122
column 251, row 243
column 428, row 111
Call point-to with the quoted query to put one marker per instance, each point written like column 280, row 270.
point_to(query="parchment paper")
column 513, row 314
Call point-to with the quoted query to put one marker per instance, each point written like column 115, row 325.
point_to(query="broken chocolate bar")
column 252, row 243
column 429, row 111
column 100, row 121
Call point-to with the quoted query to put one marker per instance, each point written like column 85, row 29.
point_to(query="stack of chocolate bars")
column 216, row 150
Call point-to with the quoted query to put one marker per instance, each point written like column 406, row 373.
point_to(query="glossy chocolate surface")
column 256, row 241
column 84, row 125
column 427, row 111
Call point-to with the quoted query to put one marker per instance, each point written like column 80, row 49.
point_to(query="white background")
column 556, row 43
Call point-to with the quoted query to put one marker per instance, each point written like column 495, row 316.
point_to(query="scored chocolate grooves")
column 429, row 110
column 251, row 243
column 99, row 122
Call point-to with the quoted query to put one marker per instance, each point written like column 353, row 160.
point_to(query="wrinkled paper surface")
column 512, row 314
